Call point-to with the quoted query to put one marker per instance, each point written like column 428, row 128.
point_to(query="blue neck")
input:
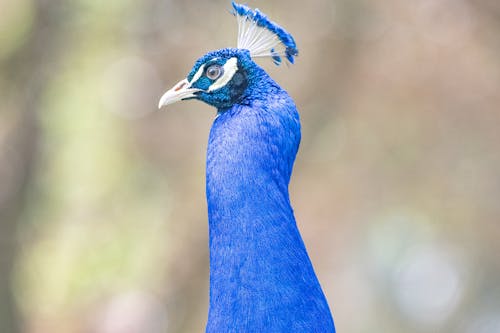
column 261, row 278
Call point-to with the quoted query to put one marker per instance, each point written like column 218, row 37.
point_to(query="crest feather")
column 262, row 37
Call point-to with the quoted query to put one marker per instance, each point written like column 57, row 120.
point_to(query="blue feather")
column 276, row 57
column 261, row 278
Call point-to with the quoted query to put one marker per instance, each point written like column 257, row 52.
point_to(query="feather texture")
column 261, row 277
column 262, row 37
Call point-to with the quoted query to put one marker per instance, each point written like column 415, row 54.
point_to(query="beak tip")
column 163, row 101
column 179, row 92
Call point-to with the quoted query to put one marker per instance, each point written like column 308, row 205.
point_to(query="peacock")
column 261, row 277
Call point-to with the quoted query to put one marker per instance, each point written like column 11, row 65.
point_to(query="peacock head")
column 221, row 78
column 218, row 78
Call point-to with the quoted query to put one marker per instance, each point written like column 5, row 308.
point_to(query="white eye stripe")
column 230, row 68
column 198, row 74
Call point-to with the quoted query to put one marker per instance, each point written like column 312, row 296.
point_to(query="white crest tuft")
column 262, row 37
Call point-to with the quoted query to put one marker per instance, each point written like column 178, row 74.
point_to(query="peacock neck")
column 258, row 262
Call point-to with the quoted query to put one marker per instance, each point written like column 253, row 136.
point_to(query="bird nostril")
column 180, row 86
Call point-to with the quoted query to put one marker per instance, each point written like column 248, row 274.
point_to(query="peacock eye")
column 214, row 72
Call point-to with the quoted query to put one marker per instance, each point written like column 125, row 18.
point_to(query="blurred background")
column 396, row 187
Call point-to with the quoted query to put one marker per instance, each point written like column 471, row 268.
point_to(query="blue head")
column 225, row 77
column 220, row 78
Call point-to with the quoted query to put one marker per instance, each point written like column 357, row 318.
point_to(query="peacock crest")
column 262, row 37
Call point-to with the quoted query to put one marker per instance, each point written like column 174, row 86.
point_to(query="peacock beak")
column 182, row 90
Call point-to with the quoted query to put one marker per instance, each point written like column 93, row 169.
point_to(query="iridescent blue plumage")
column 261, row 278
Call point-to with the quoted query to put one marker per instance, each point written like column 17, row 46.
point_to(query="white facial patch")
column 198, row 74
column 230, row 67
